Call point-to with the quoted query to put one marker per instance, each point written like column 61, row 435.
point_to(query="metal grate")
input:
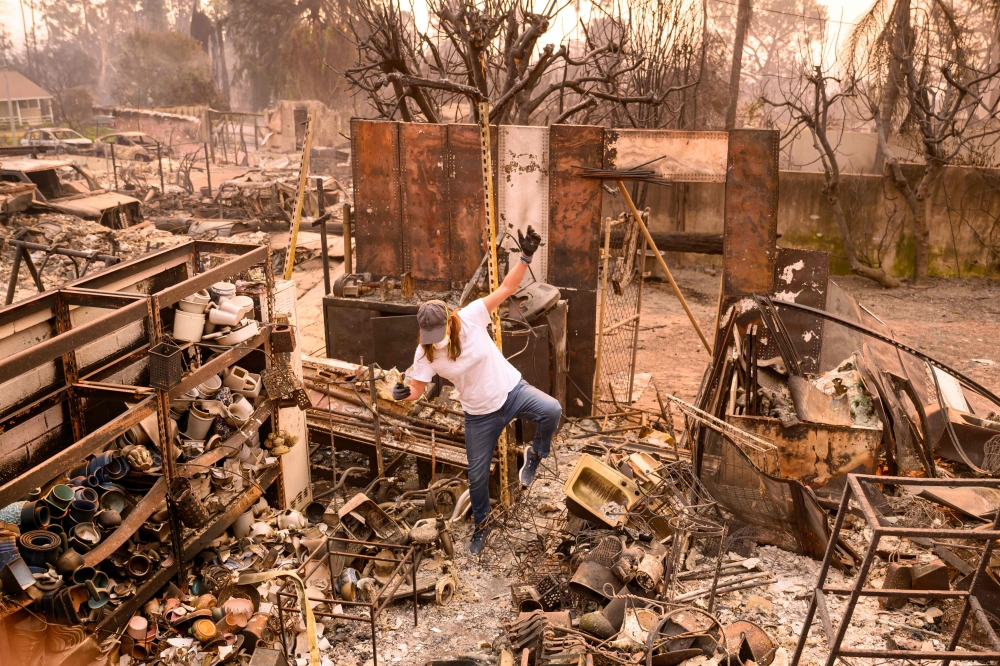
column 620, row 284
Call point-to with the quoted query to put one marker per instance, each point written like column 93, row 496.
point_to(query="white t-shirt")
column 481, row 374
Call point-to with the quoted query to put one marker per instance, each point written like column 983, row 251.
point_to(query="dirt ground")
column 957, row 321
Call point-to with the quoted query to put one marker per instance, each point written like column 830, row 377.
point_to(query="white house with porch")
column 32, row 105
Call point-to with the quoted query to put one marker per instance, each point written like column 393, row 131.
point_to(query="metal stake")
column 321, row 208
column 159, row 162
column 208, row 171
column 114, row 166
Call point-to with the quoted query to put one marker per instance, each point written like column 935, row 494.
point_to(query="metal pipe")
column 663, row 265
column 159, row 162
column 10, row 105
column 348, row 250
column 208, row 170
column 108, row 259
column 114, row 165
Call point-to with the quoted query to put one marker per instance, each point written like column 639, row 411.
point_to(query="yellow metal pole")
column 303, row 175
column 663, row 265
column 494, row 277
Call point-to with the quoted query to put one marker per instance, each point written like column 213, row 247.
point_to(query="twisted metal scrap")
column 522, row 538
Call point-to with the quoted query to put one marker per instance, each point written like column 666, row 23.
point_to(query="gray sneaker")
column 530, row 466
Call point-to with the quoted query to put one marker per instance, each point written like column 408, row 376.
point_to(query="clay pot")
column 204, row 630
column 69, row 562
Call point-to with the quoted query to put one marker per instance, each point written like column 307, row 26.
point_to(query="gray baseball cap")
column 432, row 317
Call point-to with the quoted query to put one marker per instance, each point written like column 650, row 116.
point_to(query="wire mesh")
column 620, row 294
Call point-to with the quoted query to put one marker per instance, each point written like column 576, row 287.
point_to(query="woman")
column 457, row 346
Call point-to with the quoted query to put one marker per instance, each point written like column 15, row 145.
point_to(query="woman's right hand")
column 400, row 391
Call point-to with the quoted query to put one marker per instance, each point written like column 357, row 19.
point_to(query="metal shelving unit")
column 137, row 293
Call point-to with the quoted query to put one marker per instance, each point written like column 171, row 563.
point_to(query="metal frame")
column 71, row 387
column 410, row 554
column 854, row 492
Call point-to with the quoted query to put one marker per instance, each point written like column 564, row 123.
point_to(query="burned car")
column 58, row 140
column 84, row 199
column 137, row 146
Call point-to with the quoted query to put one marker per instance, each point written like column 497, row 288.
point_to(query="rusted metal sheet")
column 523, row 187
column 801, row 277
column 466, row 210
column 574, row 206
column 574, row 248
column 426, row 232
column 581, row 342
column 816, row 453
column 378, row 232
column 677, row 156
column 751, row 214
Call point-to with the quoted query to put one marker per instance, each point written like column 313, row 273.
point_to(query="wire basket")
column 165, row 366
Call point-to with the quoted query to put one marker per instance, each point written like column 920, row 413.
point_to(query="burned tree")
column 952, row 122
column 810, row 109
column 493, row 50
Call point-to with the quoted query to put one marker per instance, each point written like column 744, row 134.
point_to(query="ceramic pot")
column 83, row 537
column 108, row 519
column 188, row 326
column 241, row 526
column 241, row 409
column 82, row 510
column 138, row 566
column 197, row 302
column 199, row 423
column 137, row 627
column 222, row 291
column 204, row 630
column 98, row 462
column 113, row 500
column 116, row 469
column 68, row 563
column 60, row 496
column 34, row 516
column 209, row 387
column 86, row 493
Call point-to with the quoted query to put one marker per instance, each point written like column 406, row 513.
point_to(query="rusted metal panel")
column 801, row 277
column 816, row 453
column 574, row 206
column 751, row 214
column 677, row 156
column 581, row 342
column 574, row 248
column 466, row 210
column 426, row 231
column 523, row 188
column 377, row 221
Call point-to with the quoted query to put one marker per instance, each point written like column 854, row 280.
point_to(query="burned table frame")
column 375, row 608
column 854, row 491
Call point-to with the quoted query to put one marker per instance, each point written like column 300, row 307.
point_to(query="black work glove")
column 400, row 391
column 529, row 244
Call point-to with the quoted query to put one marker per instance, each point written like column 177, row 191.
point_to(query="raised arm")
column 529, row 244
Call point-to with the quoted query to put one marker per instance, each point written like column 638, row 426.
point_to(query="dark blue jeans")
column 482, row 432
